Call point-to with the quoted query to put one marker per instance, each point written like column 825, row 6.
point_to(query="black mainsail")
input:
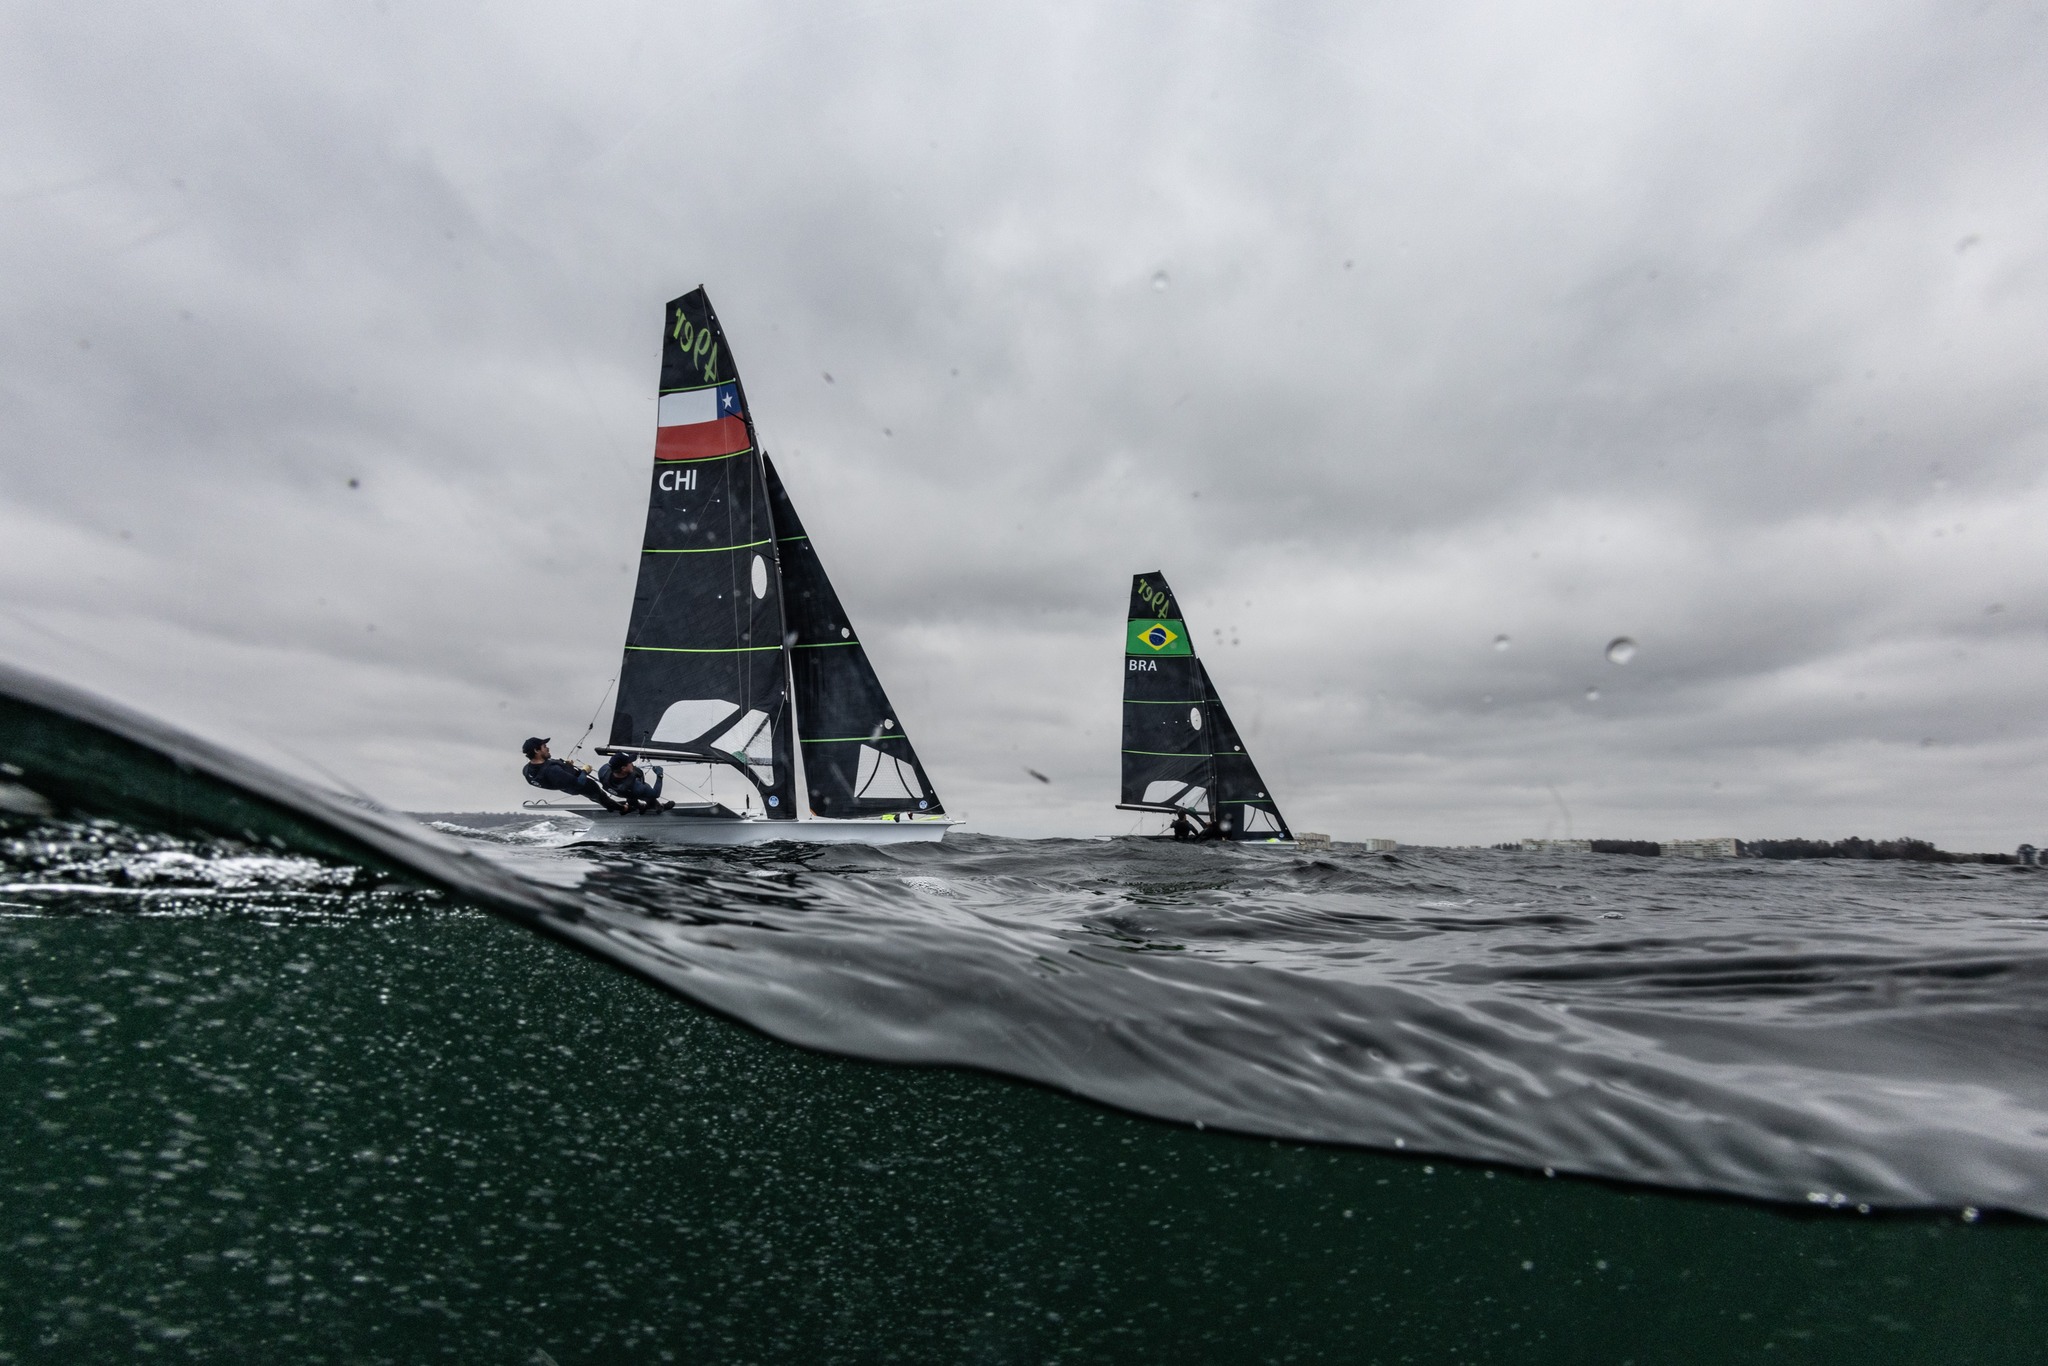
column 1181, row 751
column 732, row 607
column 704, row 674
column 857, row 760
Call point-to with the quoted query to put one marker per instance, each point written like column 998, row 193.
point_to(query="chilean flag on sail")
column 700, row 424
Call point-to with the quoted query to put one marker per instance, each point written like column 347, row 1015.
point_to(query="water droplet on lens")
column 1620, row 650
column 1592, row 694
column 1501, row 642
column 1160, row 281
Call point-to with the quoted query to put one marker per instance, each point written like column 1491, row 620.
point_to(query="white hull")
column 673, row 827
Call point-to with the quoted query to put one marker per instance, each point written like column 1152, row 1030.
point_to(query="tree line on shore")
column 1905, row 848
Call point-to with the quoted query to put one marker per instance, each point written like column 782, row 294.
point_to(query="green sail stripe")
column 704, row 550
column 822, row 644
column 1171, row 754
column 722, row 650
column 1155, row 702
column 702, row 459
column 796, row 538
column 693, row 388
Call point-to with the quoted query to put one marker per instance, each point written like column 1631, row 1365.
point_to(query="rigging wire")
column 593, row 719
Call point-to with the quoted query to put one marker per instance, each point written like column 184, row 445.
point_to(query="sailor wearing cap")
column 559, row 775
column 620, row 776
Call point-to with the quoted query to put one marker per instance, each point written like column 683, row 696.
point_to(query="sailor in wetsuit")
column 559, row 775
column 1183, row 828
column 621, row 777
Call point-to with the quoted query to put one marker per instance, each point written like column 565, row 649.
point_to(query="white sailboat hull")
column 671, row 827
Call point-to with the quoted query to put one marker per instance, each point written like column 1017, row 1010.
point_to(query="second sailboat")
column 1182, row 756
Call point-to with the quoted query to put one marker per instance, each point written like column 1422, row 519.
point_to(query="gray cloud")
column 1721, row 327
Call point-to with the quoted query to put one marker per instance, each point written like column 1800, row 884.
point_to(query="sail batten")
column 1181, row 751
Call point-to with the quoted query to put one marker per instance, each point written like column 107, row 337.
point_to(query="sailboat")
column 739, row 656
column 1181, row 753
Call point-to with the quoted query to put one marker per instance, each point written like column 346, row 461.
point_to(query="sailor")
column 1211, row 829
column 1183, row 828
column 622, row 778
column 559, row 775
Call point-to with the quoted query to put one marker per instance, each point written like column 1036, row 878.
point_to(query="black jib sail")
column 857, row 760
column 704, row 675
column 1181, row 751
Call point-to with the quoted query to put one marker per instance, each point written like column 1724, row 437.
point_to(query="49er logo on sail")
column 699, row 346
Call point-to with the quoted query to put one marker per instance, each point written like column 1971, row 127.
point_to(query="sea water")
column 1452, row 1106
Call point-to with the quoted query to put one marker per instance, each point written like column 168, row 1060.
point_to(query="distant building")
column 1382, row 846
column 1558, row 846
column 1709, row 848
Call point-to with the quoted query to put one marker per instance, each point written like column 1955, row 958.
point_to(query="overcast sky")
column 1384, row 331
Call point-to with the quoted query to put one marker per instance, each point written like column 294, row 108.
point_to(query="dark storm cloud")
column 1381, row 334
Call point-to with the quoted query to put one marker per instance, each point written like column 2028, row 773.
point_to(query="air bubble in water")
column 1620, row 650
column 1592, row 694
column 1501, row 642
column 1160, row 280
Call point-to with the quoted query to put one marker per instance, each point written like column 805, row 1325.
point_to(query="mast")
column 1181, row 751
column 705, row 677
column 857, row 760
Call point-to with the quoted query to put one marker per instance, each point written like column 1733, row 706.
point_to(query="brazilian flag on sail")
column 1157, row 636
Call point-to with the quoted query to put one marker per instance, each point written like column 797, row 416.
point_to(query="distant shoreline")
column 1905, row 849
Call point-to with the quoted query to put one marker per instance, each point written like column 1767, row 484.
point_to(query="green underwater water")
column 397, row 1130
